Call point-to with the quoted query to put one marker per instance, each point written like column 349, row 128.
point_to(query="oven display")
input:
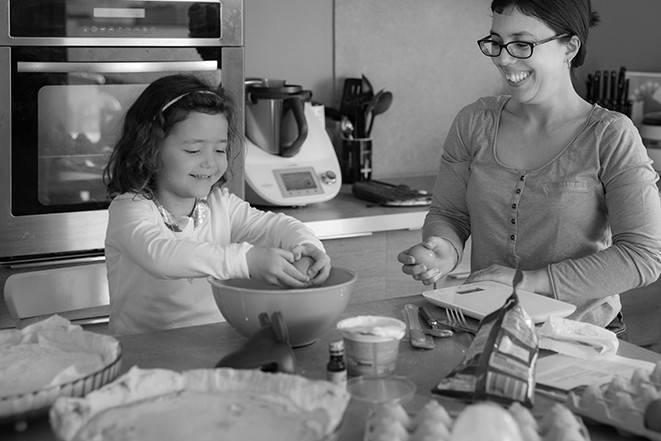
column 300, row 182
column 115, row 18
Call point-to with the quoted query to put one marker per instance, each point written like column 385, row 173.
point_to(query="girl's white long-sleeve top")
column 157, row 277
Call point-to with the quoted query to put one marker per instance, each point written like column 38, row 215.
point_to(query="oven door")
column 66, row 106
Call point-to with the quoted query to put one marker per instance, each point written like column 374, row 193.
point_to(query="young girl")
column 171, row 224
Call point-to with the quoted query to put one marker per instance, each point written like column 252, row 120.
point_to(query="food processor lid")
column 263, row 88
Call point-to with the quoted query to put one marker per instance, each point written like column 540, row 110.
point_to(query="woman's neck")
column 553, row 112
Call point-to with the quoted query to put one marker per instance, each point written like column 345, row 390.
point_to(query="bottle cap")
column 336, row 346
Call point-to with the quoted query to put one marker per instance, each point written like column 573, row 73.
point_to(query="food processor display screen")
column 298, row 181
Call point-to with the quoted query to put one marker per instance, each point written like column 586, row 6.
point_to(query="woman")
column 541, row 178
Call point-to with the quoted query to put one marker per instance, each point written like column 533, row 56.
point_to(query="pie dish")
column 48, row 359
column 229, row 404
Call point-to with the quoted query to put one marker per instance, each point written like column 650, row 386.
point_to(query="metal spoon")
column 346, row 127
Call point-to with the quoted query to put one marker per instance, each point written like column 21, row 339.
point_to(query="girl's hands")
column 428, row 261
column 275, row 266
column 318, row 272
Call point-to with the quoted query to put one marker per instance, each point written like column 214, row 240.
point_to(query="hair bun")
column 594, row 19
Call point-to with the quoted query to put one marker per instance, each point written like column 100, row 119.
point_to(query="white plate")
column 480, row 299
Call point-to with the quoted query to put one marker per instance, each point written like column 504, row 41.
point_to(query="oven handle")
column 122, row 67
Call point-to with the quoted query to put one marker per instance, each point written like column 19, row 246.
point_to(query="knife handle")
column 427, row 315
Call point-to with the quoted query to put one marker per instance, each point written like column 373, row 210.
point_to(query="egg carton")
column 620, row 403
column 391, row 422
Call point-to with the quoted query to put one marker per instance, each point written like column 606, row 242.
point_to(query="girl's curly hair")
column 135, row 160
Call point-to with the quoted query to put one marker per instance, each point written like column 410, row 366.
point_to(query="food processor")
column 290, row 159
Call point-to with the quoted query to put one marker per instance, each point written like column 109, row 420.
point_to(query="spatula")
column 418, row 337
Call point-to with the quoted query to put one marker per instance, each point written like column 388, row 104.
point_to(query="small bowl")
column 307, row 312
column 381, row 390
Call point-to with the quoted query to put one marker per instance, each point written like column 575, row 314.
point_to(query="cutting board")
column 480, row 299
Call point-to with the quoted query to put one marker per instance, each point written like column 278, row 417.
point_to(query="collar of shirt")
column 179, row 223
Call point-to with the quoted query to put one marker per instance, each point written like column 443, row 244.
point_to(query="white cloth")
column 157, row 278
column 578, row 339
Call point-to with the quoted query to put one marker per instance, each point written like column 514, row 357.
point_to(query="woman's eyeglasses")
column 517, row 49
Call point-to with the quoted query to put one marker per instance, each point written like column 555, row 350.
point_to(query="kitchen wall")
column 291, row 40
column 423, row 51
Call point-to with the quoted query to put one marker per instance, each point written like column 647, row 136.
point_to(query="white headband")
column 174, row 100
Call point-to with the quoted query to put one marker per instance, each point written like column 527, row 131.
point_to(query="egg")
column 523, row 416
column 423, row 255
column 304, row 263
column 485, row 422
column 652, row 416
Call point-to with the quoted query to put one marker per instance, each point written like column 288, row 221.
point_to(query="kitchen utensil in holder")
column 356, row 160
column 268, row 349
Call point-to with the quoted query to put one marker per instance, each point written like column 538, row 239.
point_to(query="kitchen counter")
column 347, row 216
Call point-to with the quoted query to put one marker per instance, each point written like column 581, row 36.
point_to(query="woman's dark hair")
column 135, row 161
column 573, row 17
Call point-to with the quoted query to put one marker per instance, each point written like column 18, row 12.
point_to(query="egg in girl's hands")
column 423, row 255
column 303, row 264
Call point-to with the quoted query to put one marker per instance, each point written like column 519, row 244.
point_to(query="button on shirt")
column 591, row 216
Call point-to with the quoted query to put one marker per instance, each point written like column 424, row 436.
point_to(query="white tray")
column 480, row 299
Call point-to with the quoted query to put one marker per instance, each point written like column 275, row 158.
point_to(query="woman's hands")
column 429, row 260
column 276, row 266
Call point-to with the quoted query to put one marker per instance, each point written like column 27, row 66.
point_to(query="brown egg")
column 423, row 255
column 653, row 415
column 304, row 263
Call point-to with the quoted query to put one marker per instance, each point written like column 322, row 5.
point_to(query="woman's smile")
column 516, row 78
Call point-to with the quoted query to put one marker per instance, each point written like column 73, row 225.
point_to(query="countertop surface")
column 202, row 346
column 346, row 215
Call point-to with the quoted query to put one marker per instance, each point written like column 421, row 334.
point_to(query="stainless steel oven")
column 69, row 70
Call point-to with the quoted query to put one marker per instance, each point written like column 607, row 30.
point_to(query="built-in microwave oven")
column 70, row 70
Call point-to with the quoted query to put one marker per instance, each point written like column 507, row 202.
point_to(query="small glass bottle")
column 336, row 369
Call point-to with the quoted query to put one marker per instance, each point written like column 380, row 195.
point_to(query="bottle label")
column 339, row 378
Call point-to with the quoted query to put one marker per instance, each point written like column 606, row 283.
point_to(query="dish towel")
column 582, row 340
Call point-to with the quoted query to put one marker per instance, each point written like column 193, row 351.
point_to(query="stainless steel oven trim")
column 115, row 67
column 231, row 32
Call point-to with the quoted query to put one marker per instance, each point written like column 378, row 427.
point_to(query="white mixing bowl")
column 307, row 312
